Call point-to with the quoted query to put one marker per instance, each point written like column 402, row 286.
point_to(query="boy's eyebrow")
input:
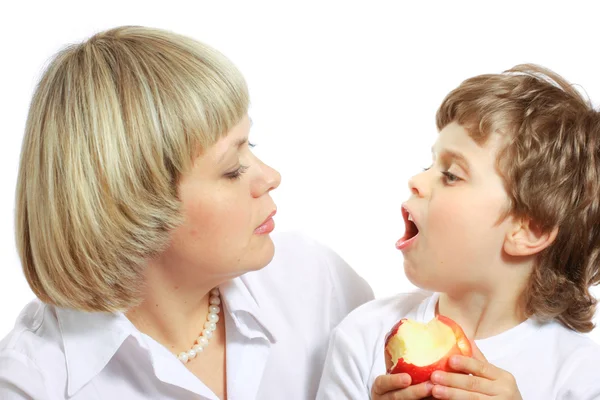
column 455, row 156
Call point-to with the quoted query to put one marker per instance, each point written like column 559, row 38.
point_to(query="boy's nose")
column 418, row 185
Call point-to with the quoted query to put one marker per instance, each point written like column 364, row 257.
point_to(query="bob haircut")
column 112, row 125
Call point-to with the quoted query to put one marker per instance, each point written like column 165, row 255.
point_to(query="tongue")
column 400, row 244
column 411, row 232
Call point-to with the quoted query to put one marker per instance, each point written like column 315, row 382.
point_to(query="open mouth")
column 410, row 226
column 411, row 230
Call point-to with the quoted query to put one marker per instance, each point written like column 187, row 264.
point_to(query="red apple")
column 419, row 349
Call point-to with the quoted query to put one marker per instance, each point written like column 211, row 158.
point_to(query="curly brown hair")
column 551, row 171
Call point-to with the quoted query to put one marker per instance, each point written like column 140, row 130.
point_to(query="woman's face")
column 227, row 210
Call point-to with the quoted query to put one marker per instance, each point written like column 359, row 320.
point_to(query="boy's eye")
column 450, row 178
column 251, row 145
column 237, row 173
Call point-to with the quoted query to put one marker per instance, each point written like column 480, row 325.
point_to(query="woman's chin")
column 263, row 253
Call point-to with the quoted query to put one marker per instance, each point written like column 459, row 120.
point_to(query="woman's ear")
column 526, row 238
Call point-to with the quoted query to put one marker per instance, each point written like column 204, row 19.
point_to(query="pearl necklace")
column 209, row 327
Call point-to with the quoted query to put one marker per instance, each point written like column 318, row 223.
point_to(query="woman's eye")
column 251, row 145
column 237, row 173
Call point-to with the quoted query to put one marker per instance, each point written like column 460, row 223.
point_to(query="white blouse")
column 278, row 321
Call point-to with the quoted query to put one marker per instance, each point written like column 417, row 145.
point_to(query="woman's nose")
column 270, row 179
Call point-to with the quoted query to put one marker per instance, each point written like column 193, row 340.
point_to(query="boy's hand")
column 397, row 387
column 485, row 382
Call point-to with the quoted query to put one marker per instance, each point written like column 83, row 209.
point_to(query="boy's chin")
column 413, row 274
column 419, row 278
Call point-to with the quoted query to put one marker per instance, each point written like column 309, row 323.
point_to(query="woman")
column 143, row 223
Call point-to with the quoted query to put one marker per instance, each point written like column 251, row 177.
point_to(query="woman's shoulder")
column 297, row 253
column 307, row 274
column 36, row 324
column 302, row 261
column 298, row 247
column 31, row 348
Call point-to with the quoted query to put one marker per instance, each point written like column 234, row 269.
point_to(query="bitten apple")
column 419, row 349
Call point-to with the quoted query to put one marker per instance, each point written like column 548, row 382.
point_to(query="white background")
column 343, row 97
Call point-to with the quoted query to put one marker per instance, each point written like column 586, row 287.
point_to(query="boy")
column 502, row 236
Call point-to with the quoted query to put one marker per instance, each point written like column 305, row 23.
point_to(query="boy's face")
column 456, row 206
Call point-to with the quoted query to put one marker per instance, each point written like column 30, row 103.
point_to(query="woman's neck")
column 173, row 311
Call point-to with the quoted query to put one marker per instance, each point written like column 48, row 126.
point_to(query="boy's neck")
column 483, row 315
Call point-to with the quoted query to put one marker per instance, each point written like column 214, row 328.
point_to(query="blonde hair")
column 551, row 170
column 113, row 124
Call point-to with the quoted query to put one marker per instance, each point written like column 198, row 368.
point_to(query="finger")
column 415, row 392
column 388, row 383
column 477, row 354
column 469, row 383
column 442, row 392
column 470, row 365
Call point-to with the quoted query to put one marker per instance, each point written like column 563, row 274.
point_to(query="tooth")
column 410, row 218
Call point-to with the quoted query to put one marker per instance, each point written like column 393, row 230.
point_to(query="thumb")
column 477, row 354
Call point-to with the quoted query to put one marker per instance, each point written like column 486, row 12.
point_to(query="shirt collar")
column 90, row 340
column 250, row 314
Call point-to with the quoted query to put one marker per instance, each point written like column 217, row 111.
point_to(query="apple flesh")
column 419, row 349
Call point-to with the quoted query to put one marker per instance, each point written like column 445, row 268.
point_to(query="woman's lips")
column 266, row 227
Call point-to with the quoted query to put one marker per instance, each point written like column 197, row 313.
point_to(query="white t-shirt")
column 278, row 321
column 548, row 360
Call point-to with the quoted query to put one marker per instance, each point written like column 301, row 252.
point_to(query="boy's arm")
column 345, row 371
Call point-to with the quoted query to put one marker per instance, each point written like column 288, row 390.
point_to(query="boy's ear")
column 526, row 238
